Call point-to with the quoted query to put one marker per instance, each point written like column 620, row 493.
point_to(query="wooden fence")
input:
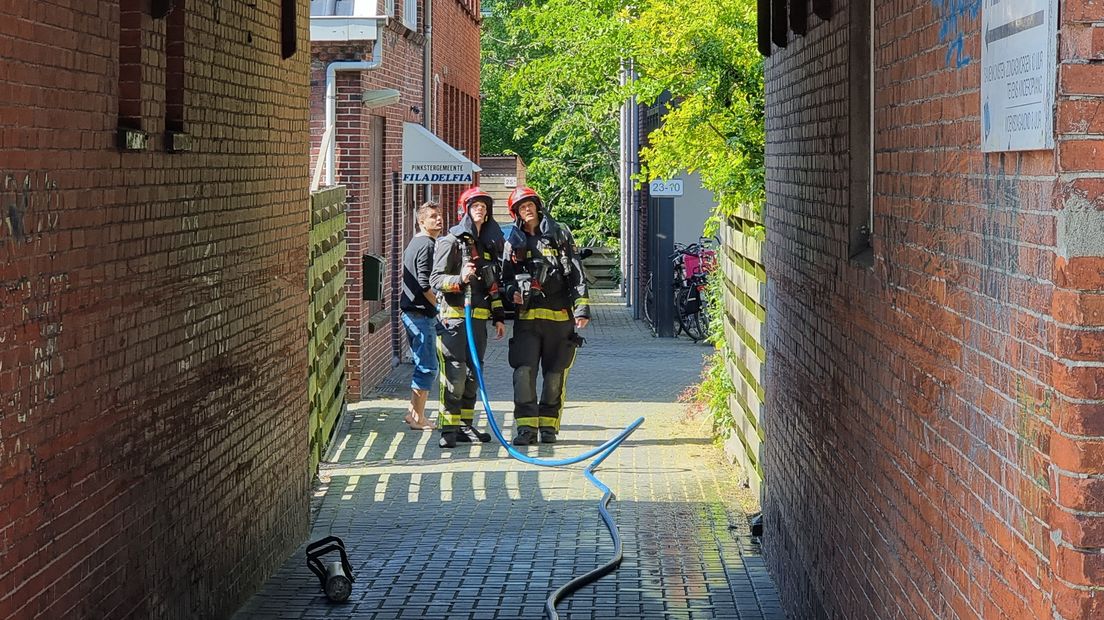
column 741, row 261
column 602, row 267
column 326, row 322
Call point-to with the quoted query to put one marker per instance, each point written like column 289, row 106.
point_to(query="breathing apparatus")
column 486, row 271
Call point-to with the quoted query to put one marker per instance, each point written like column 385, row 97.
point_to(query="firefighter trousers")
column 459, row 387
column 551, row 346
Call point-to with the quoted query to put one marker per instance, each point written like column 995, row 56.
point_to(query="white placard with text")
column 1018, row 64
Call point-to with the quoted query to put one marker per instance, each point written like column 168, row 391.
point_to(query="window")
column 288, row 35
column 410, row 14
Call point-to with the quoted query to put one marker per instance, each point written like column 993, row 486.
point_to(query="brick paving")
column 472, row 534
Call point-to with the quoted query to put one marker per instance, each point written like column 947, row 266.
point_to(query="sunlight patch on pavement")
column 381, row 487
column 513, row 487
column 479, row 486
column 363, row 450
column 446, row 486
column 393, row 449
column 419, row 450
column 341, row 448
column 350, row 487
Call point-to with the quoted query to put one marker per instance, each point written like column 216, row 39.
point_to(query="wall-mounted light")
column 379, row 98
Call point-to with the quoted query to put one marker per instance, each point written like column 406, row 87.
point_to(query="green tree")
column 554, row 67
column 551, row 70
column 705, row 56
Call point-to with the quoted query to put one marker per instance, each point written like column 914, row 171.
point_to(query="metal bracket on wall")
column 177, row 142
column 133, row 139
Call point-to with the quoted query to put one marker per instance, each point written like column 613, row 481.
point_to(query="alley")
column 475, row 534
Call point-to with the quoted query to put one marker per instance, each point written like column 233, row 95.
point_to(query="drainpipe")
column 428, row 113
column 331, row 94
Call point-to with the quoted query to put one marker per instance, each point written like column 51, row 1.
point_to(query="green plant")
column 711, row 395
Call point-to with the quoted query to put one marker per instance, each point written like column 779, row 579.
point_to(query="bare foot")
column 417, row 423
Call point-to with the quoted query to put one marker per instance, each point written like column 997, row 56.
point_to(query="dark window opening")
column 289, row 37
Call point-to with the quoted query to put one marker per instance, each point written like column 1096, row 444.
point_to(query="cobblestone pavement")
column 472, row 534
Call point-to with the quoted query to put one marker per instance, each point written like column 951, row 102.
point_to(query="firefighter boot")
column 526, row 436
column 449, row 439
column 469, row 434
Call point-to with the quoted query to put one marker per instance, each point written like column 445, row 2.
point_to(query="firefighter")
column 542, row 275
column 468, row 256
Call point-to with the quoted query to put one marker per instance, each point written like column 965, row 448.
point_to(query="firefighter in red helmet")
column 542, row 275
column 468, row 256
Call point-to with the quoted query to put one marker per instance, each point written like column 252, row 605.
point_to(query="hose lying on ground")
column 602, row 452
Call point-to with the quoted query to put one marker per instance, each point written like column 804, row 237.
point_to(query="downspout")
column 428, row 113
column 626, row 194
column 634, row 200
column 331, row 94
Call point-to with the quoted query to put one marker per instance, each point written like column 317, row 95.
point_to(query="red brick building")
column 153, row 245
column 455, row 81
column 935, row 409
column 372, row 106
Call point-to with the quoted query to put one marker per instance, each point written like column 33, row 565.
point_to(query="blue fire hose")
column 602, row 452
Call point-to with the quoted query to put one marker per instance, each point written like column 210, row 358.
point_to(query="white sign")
column 436, row 173
column 428, row 159
column 1018, row 64
column 509, row 181
column 661, row 188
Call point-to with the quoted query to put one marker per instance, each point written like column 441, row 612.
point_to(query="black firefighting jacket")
column 459, row 246
column 551, row 260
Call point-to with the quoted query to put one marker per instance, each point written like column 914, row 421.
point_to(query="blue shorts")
column 421, row 331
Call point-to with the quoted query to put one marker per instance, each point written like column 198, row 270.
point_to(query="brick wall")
column 153, row 457
column 456, row 66
column 375, row 335
column 935, row 412
column 373, row 330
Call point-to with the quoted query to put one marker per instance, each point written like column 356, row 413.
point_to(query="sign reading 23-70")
column 664, row 188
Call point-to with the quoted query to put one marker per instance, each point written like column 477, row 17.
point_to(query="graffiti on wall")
column 955, row 18
column 205, row 324
column 29, row 206
column 30, row 306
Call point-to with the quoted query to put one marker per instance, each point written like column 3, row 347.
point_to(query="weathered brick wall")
column 935, row 419
column 1076, row 414
column 153, row 458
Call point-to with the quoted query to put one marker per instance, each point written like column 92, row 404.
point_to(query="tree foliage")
column 705, row 56
column 551, row 73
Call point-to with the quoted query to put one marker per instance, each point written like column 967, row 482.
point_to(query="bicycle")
column 691, row 264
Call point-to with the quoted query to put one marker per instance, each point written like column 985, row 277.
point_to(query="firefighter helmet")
column 520, row 195
column 469, row 196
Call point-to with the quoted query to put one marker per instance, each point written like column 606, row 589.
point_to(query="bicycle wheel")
column 684, row 316
column 690, row 313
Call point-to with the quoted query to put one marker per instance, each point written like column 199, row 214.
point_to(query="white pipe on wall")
column 331, row 94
